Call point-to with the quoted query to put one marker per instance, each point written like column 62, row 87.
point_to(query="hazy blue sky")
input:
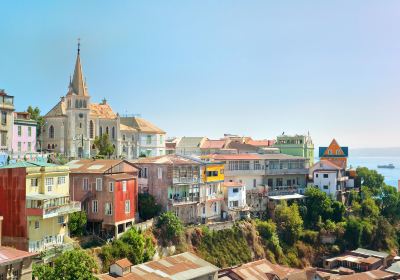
column 211, row 67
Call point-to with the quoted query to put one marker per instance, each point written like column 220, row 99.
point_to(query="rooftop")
column 141, row 125
column 25, row 164
column 94, row 166
column 179, row 267
column 167, row 159
column 9, row 255
column 366, row 252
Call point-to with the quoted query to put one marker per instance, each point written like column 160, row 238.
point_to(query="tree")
column 353, row 233
column 71, row 265
column 104, row 145
column 318, row 205
column 133, row 245
column 371, row 179
column 369, row 209
column 338, row 211
column 169, row 227
column 35, row 115
column 148, row 208
column 77, row 223
column 289, row 222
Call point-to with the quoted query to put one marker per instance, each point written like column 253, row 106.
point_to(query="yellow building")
column 211, row 196
column 48, row 206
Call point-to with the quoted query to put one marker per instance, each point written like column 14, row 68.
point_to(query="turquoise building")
column 296, row 145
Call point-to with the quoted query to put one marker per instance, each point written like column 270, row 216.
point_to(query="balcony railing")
column 184, row 200
column 185, row 180
column 303, row 171
column 54, row 211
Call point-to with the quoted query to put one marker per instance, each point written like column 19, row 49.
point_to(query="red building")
column 108, row 192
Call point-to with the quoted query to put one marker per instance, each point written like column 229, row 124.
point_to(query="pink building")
column 24, row 135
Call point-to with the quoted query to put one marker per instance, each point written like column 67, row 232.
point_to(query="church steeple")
column 78, row 85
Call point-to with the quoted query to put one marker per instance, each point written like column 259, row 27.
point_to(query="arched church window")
column 48, row 146
column 123, row 137
column 76, row 103
column 101, row 130
column 84, row 103
column 107, row 132
column 52, row 146
column 113, row 132
column 80, row 103
column 91, row 129
column 51, row 132
column 93, row 146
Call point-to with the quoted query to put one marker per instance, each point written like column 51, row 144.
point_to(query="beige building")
column 6, row 121
column 72, row 125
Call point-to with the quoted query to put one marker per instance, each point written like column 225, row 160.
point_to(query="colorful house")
column 211, row 194
column 24, row 136
column 6, row 121
column 36, row 205
column 335, row 153
column 296, row 145
column 108, row 192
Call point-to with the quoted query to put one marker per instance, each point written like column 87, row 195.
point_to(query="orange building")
column 334, row 153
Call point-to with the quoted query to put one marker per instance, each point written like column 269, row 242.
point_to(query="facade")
column 38, row 194
column 297, row 145
column 235, row 200
column 329, row 178
column 107, row 190
column 72, row 125
column 141, row 138
column 175, row 183
column 24, row 136
column 6, row 121
column 334, row 153
column 265, row 175
column 188, row 187
column 182, row 266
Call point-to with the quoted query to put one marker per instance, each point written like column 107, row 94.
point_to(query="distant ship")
column 389, row 166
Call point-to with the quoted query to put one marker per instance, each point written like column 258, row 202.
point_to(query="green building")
column 297, row 145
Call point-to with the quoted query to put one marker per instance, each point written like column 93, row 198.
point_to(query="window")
column 127, row 206
column 326, row 187
column 29, row 147
column 107, row 131
column 270, row 182
column 234, row 203
column 316, row 175
column 101, row 130
column 49, row 183
column 143, row 172
column 148, row 139
column 19, row 146
column 123, row 137
column 3, row 118
column 19, row 130
column 279, row 182
column 124, row 186
column 51, row 132
column 99, row 184
column 60, row 219
column 326, row 176
column 95, row 205
column 91, row 129
column 3, row 138
column 337, row 152
column 108, row 208
column 37, row 224
column 215, row 207
column 85, row 184
column 254, row 183
column 159, row 173
column 111, row 186
column 161, row 139
column 113, row 132
column 235, row 190
column 61, row 180
column 34, row 182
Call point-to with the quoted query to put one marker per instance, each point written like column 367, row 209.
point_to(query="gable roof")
column 123, row 127
column 141, row 125
column 323, row 151
column 9, row 255
column 213, row 144
column 167, row 159
column 241, row 146
column 58, row 110
column 123, row 263
column 190, row 142
column 325, row 165
column 98, row 166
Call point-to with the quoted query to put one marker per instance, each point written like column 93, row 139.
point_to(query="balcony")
column 54, row 211
column 303, row 171
column 177, row 201
column 215, row 196
column 185, row 180
column 283, row 190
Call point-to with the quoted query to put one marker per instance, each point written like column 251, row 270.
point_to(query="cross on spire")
column 79, row 45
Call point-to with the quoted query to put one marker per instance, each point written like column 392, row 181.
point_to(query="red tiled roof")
column 213, row 144
column 8, row 254
column 123, row 263
column 261, row 143
column 103, row 111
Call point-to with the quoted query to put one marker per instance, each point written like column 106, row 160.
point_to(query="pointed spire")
column 78, row 84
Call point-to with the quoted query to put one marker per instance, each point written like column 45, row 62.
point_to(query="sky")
column 205, row 68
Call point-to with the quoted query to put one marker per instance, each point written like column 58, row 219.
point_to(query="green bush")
column 77, row 223
column 170, row 228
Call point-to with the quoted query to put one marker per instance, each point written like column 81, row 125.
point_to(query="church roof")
column 102, row 111
column 141, row 125
column 78, row 85
column 123, row 127
column 58, row 110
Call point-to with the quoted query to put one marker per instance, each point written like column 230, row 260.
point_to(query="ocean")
column 391, row 175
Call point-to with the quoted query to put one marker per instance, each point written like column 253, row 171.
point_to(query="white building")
column 235, row 199
column 329, row 178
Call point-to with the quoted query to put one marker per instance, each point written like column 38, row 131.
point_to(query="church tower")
column 77, row 111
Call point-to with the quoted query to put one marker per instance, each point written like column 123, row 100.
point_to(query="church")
column 72, row 125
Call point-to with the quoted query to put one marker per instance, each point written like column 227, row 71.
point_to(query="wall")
column 24, row 139
column 13, row 207
column 238, row 196
column 120, row 198
column 331, row 182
